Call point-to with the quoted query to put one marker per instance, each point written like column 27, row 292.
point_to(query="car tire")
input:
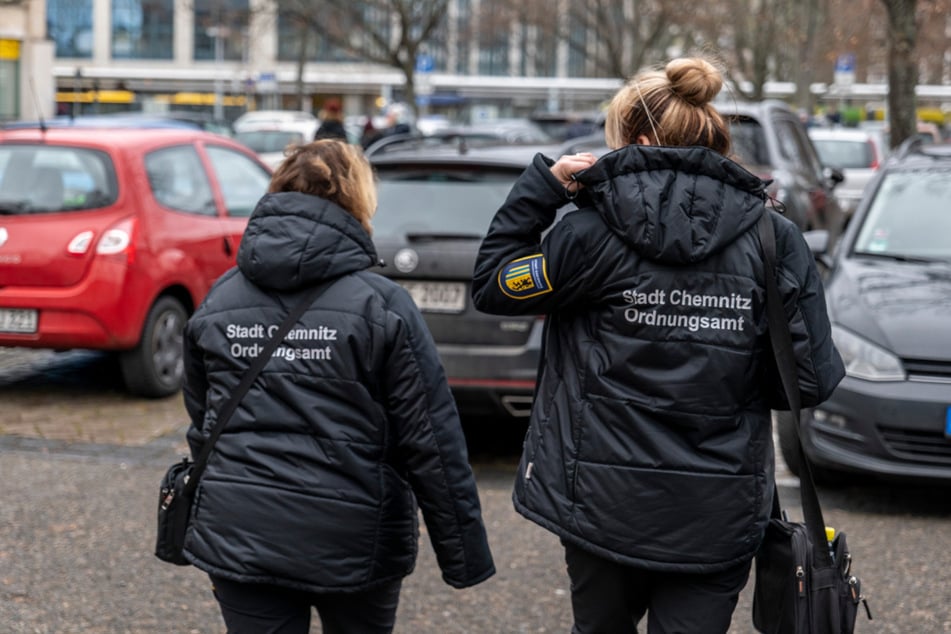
column 788, row 439
column 155, row 367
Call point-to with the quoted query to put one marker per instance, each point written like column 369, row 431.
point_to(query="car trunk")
column 440, row 284
column 36, row 249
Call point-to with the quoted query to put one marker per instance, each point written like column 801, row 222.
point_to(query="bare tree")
column 621, row 36
column 389, row 32
column 902, row 69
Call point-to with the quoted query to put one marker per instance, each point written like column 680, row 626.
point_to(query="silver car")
column 857, row 152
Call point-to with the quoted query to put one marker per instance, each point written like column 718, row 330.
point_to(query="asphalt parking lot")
column 81, row 463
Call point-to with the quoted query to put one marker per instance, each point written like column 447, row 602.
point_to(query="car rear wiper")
column 13, row 208
column 897, row 257
column 438, row 177
column 432, row 237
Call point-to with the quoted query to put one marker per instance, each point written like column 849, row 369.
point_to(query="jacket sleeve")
column 430, row 447
column 516, row 272
column 194, row 389
column 819, row 366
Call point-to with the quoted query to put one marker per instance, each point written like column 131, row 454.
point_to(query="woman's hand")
column 568, row 165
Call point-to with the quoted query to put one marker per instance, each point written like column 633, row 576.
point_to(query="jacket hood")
column 295, row 240
column 675, row 205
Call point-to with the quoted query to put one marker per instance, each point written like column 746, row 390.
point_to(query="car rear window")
column 52, row 178
column 844, row 154
column 269, row 140
column 749, row 141
column 439, row 202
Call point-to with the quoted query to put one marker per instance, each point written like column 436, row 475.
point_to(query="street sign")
column 267, row 82
column 424, row 63
column 844, row 74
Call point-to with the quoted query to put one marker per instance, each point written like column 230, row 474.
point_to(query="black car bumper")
column 890, row 430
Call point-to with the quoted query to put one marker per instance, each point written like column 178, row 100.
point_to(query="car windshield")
column 748, row 141
column 50, row 178
column 433, row 203
column 844, row 154
column 269, row 140
column 909, row 217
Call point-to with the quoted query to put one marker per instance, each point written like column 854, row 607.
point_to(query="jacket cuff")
column 471, row 581
column 541, row 164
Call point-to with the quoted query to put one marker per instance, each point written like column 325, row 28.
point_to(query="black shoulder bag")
column 803, row 583
column 180, row 481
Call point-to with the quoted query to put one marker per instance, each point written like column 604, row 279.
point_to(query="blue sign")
column 424, row 63
column 845, row 63
column 947, row 424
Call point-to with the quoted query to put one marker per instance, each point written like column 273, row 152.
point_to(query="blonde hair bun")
column 694, row 79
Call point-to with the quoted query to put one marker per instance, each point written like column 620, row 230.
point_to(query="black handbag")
column 803, row 583
column 178, row 485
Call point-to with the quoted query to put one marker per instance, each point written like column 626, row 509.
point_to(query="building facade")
column 27, row 85
column 153, row 55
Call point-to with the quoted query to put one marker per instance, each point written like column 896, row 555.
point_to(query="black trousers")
column 610, row 598
column 266, row 609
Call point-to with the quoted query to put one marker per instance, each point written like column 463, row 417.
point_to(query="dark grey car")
column 435, row 206
column 889, row 298
column 770, row 141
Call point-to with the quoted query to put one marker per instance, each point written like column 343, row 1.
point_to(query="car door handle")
column 229, row 249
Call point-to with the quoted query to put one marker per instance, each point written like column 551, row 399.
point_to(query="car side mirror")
column 833, row 175
column 818, row 242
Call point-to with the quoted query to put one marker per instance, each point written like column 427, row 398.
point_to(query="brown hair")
column 670, row 107
column 333, row 170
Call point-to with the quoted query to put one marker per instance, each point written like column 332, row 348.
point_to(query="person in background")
column 649, row 450
column 331, row 126
column 310, row 497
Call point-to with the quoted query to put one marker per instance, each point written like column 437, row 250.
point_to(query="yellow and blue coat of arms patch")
column 525, row 277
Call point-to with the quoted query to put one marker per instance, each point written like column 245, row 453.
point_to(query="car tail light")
column 117, row 239
column 80, row 244
column 874, row 154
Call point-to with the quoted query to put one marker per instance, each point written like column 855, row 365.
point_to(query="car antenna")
column 36, row 104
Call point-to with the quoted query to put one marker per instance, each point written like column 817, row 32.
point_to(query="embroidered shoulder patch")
column 525, row 277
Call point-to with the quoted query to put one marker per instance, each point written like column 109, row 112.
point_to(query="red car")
column 109, row 239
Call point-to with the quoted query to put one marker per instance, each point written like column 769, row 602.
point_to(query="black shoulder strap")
column 786, row 364
column 249, row 376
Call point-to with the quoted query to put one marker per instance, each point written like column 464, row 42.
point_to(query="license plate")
column 438, row 297
column 17, row 320
column 947, row 423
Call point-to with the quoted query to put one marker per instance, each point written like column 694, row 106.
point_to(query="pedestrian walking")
column 331, row 122
column 649, row 451
column 310, row 497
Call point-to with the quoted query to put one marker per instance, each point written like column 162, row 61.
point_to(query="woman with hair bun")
column 649, row 449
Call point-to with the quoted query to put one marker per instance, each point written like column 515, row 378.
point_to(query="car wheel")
column 155, row 367
column 788, row 439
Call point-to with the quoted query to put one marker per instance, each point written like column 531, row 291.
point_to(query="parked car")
column 170, row 119
column 270, row 145
column 463, row 137
column 563, row 126
column 857, row 153
column 889, row 295
column 926, row 131
column 286, row 120
column 110, row 237
column 770, row 140
column 435, row 206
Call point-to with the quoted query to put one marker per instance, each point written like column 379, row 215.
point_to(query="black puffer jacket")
column 650, row 437
column 311, row 485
